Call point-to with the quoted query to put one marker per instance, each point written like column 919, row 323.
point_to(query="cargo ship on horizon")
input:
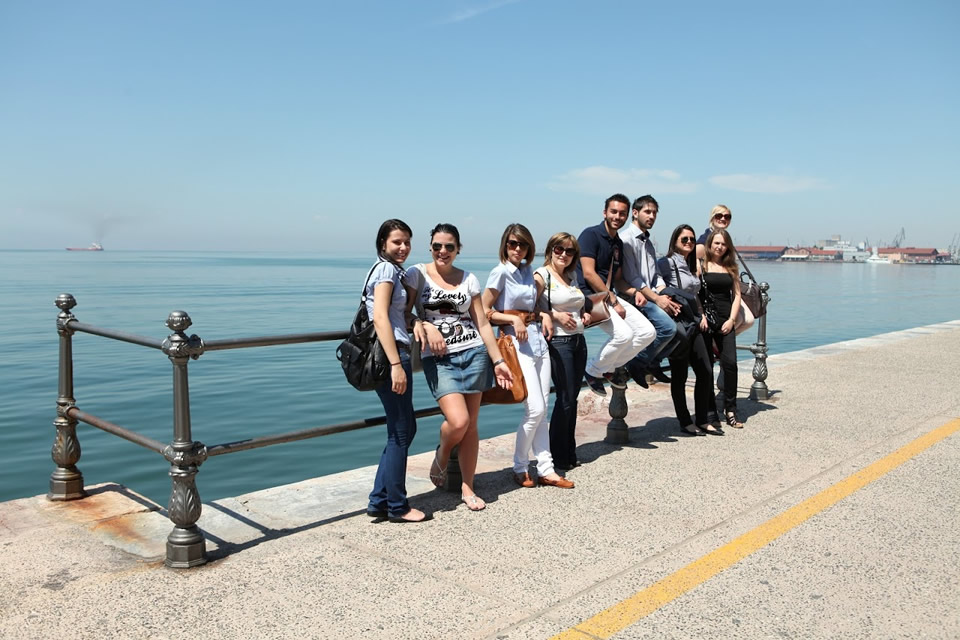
column 94, row 246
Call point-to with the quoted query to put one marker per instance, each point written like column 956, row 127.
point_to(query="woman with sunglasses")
column 457, row 349
column 679, row 269
column 720, row 217
column 719, row 272
column 559, row 295
column 386, row 301
column 510, row 301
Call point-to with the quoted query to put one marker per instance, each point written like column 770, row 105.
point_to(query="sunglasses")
column 449, row 246
column 686, row 240
column 513, row 244
column 558, row 250
column 722, row 216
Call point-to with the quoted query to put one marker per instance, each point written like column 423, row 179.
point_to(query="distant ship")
column 876, row 259
column 95, row 246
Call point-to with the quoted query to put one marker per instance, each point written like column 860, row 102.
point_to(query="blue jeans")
column 390, row 486
column 665, row 327
column 568, row 360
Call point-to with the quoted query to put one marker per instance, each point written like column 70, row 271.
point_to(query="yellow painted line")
column 643, row 603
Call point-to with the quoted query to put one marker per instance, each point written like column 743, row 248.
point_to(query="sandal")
column 474, row 503
column 732, row 420
column 438, row 477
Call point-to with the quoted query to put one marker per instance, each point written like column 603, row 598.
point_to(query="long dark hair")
column 389, row 226
column 729, row 260
column 691, row 258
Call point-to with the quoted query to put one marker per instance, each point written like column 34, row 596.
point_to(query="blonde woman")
column 510, row 300
column 720, row 218
column 457, row 349
column 564, row 302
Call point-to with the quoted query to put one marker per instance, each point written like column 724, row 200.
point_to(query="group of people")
column 684, row 307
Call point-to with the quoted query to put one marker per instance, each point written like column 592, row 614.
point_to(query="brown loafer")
column 560, row 482
column 523, row 479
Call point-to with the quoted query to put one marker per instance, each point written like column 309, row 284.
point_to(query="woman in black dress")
column 722, row 293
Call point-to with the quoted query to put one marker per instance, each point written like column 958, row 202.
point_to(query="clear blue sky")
column 302, row 125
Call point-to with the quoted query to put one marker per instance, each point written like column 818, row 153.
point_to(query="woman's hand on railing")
column 504, row 375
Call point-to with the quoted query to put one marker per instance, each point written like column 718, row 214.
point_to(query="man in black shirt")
column 601, row 257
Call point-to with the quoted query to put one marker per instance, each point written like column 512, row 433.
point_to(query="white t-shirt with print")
column 447, row 309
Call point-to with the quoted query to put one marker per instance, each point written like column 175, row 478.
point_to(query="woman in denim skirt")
column 458, row 347
column 386, row 301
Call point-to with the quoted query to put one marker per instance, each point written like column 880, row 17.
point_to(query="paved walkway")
column 782, row 529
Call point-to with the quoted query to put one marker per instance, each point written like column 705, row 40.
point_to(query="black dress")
column 720, row 285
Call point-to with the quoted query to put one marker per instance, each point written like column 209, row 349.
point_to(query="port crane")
column 900, row 237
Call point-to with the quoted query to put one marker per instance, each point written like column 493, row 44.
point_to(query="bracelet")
column 498, row 362
column 394, row 364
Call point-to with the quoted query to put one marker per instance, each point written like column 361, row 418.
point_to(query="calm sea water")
column 244, row 393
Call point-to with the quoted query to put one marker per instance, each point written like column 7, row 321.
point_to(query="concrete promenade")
column 800, row 525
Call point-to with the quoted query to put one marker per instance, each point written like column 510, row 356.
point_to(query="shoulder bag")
column 750, row 292
column 361, row 355
column 599, row 303
column 710, row 308
column 518, row 392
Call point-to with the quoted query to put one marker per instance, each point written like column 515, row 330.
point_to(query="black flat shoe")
column 691, row 430
column 714, row 431
column 377, row 513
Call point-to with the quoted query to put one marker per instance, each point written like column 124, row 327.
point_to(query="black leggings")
column 727, row 346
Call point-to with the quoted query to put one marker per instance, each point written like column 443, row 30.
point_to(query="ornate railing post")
column 759, row 390
column 66, row 481
column 186, row 546
column 617, row 432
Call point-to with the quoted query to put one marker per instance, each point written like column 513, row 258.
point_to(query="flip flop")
column 474, row 503
column 438, row 477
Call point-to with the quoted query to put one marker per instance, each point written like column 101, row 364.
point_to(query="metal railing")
column 186, row 545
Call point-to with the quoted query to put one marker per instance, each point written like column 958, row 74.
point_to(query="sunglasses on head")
column 558, row 250
column 449, row 246
column 513, row 244
column 722, row 216
column 686, row 240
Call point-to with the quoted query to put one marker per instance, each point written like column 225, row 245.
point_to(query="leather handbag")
column 750, row 292
column 599, row 305
column 518, row 392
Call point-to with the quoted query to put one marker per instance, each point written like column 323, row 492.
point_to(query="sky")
column 301, row 126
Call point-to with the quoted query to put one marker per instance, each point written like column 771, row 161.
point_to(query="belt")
column 529, row 317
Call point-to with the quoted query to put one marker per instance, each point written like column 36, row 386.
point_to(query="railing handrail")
column 186, row 545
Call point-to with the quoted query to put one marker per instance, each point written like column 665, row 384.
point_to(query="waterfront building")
column 911, row 255
column 761, row 252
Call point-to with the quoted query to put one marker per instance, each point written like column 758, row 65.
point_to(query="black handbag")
column 361, row 355
column 688, row 320
column 710, row 308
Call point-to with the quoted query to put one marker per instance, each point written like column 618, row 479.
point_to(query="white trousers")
column 534, row 432
column 627, row 337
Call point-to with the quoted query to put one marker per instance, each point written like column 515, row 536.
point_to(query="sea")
column 245, row 393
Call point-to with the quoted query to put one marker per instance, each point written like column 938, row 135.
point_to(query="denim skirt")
column 468, row 371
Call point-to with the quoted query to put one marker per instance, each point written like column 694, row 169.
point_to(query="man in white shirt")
column 644, row 284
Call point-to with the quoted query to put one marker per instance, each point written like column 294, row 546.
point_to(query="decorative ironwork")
column 759, row 389
column 617, row 432
column 66, row 481
column 177, row 344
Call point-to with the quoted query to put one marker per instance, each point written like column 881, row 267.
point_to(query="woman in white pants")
column 510, row 300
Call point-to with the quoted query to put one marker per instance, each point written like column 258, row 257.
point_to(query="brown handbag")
column 518, row 392
column 600, row 312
